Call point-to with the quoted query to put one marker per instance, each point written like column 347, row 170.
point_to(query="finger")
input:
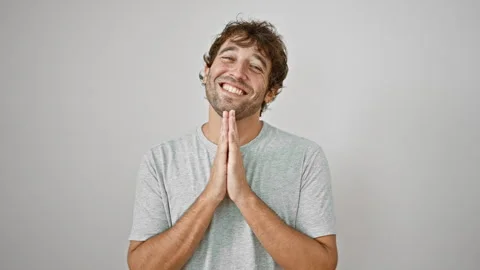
column 226, row 128
column 223, row 140
column 235, row 129
column 231, row 127
column 223, row 127
column 232, row 143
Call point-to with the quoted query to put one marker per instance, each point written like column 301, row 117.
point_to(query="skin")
column 291, row 249
column 234, row 121
column 245, row 68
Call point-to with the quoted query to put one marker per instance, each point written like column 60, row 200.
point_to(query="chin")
column 220, row 109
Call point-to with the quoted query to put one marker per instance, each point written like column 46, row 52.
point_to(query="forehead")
column 241, row 42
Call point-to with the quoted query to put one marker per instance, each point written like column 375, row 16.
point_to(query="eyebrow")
column 229, row 48
column 260, row 58
column 256, row 55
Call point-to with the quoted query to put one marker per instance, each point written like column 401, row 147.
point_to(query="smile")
column 232, row 89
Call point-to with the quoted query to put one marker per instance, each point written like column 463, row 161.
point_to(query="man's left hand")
column 237, row 185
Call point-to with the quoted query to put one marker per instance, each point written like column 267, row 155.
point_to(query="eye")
column 256, row 68
column 227, row 58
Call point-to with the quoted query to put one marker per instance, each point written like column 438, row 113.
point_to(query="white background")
column 389, row 89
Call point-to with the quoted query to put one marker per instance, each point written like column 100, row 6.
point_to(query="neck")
column 248, row 128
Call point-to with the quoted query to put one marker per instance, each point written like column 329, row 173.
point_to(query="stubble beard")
column 242, row 110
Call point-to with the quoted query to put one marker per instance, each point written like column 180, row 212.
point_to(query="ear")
column 271, row 94
column 205, row 72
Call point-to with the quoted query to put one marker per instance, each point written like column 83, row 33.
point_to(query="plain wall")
column 389, row 89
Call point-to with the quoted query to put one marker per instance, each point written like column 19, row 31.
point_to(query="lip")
column 234, row 85
column 230, row 93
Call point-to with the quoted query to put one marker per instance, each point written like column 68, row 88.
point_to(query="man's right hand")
column 172, row 248
column 216, row 188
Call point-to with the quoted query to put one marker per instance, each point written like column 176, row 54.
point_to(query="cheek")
column 261, row 84
column 215, row 72
column 219, row 66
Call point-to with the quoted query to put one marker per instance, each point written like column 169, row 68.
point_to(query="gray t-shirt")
column 289, row 173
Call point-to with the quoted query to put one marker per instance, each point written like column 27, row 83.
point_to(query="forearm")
column 172, row 248
column 290, row 248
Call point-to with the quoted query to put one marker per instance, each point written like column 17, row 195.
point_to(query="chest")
column 275, row 178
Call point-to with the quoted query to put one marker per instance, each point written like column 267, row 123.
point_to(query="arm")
column 172, row 248
column 290, row 248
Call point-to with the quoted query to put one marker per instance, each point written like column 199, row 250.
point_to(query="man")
column 237, row 192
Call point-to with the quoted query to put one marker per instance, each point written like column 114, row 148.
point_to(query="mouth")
column 232, row 89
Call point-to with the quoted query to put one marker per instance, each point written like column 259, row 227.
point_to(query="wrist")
column 244, row 197
column 210, row 197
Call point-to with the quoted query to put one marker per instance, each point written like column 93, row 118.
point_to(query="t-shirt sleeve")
column 149, row 215
column 315, row 216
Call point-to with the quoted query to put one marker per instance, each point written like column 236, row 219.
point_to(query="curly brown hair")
column 265, row 37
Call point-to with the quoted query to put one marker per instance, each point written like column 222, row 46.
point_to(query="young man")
column 237, row 192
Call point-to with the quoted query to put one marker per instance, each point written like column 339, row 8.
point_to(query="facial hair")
column 243, row 109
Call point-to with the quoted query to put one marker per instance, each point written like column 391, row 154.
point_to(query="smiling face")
column 237, row 80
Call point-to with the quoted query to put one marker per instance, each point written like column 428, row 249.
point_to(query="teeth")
column 232, row 89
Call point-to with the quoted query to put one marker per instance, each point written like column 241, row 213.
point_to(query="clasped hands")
column 227, row 176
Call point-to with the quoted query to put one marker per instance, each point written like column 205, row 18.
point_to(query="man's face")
column 237, row 80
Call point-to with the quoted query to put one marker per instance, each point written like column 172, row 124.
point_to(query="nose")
column 239, row 71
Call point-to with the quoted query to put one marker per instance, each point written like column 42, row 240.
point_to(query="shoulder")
column 293, row 146
column 167, row 149
column 283, row 138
